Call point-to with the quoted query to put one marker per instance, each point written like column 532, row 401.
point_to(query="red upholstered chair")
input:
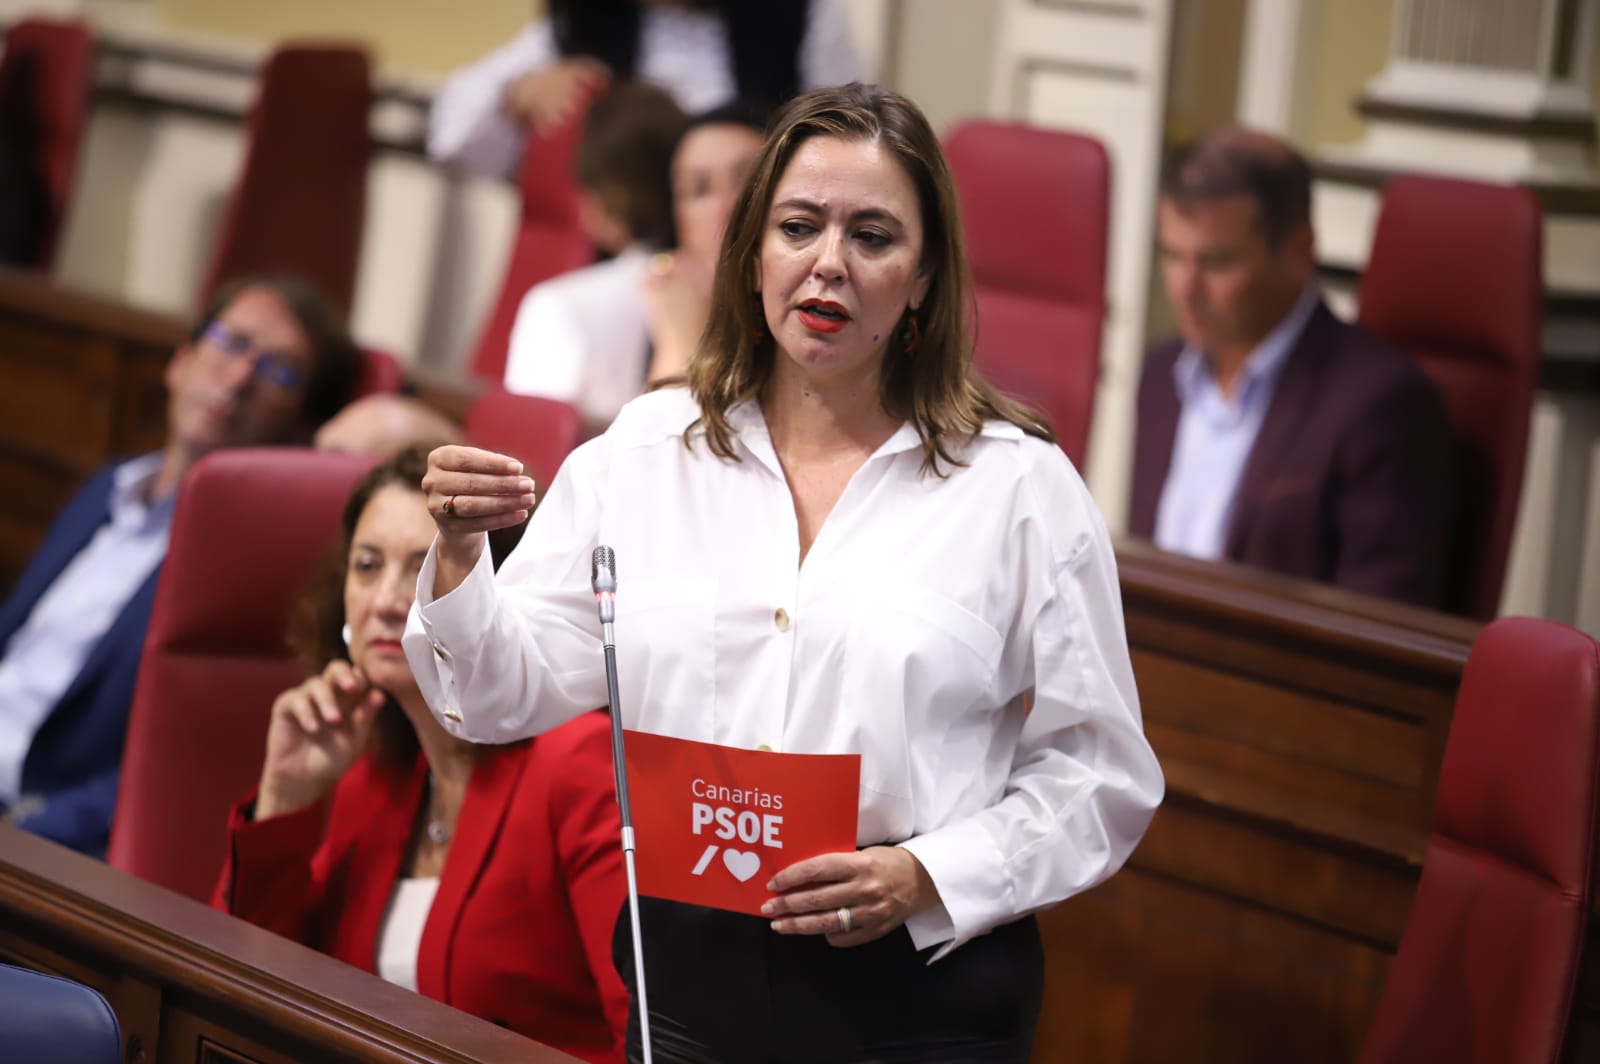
column 249, row 527
column 1488, row 963
column 1037, row 209
column 45, row 77
column 1476, row 332
column 549, row 241
column 380, row 373
column 540, row 432
column 300, row 202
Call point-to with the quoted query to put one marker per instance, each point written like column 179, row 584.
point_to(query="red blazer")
column 520, row 929
column 1352, row 480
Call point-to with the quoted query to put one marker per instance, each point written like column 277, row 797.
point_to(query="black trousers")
column 726, row 989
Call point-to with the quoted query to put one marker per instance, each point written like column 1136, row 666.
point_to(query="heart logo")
column 742, row 864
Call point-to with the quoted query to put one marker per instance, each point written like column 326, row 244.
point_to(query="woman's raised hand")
column 317, row 731
column 471, row 491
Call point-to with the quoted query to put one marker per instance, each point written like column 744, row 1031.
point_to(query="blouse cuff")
column 975, row 892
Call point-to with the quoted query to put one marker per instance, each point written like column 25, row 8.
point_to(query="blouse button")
column 780, row 617
column 765, row 748
column 451, row 714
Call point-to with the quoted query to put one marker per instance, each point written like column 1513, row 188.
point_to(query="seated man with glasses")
column 269, row 361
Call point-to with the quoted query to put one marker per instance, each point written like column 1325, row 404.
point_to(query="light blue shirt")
column 1215, row 436
column 46, row 654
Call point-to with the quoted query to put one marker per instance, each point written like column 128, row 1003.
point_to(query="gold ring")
column 661, row 263
column 846, row 922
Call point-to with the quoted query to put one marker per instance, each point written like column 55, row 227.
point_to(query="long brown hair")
column 937, row 388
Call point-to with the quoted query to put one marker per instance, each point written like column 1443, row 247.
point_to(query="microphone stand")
column 604, row 580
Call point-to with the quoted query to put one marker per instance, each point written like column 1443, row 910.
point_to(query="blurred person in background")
column 486, row 877
column 1270, row 432
column 380, row 426
column 594, row 337
column 709, row 170
column 267, row 363
column 702, row 52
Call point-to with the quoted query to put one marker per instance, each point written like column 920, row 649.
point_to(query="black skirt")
column 726, row 989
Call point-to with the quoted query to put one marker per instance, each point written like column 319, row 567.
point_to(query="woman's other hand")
column 317, row 731
column 881, row 887
column 542, row 99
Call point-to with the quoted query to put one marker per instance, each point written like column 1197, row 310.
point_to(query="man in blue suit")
column 268, row 362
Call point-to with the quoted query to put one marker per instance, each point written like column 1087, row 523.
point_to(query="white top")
column 1216, row 434
column 927, row 609
column 583, row 338
column 400, row 935
column 682, row 51
column 43, row 657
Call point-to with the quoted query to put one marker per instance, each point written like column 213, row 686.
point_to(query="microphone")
column 603, row 575
column 603, row 578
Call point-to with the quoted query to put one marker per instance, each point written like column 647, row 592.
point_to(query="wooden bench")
column 196, row 986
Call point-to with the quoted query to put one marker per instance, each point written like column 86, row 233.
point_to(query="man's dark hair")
column 1238, row 162
column 336, row 360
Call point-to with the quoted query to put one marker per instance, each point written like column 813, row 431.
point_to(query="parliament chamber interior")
column 1306, row 291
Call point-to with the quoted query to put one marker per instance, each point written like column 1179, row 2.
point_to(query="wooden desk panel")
column 80, row 384
column 194, row 986
column 1300, row 729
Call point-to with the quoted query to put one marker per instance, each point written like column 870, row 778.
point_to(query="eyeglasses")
column 271, row 367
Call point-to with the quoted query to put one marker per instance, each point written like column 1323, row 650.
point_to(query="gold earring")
column 911, row 339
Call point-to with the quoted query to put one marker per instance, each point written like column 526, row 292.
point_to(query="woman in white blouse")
column 703, row 52
column 837, row 539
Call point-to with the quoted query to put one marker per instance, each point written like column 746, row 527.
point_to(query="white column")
column 1269, row 75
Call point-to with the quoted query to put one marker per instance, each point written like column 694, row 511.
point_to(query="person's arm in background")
column 828, row 54
column 1397, row 496
column 470, row 124
column 78, row 817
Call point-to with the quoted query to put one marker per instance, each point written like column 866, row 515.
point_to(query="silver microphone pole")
column 604, row 579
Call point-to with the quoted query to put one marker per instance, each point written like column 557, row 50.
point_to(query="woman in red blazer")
column 489, row 878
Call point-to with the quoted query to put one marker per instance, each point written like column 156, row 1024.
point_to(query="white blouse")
column 583, row 338
column 400, row 936
column 926, row 611
column 682, row 51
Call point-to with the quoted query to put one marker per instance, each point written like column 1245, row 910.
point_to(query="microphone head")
column 603, row 573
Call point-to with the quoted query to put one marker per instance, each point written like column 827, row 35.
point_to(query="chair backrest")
column 45, row 77
column 46, row 1017
column 1477, row 334
column 540, row 432
column 300, row 202
column 380, row 374
column 549, row 241
column 250, row 526
column 1037, row 208
column 1488, row 964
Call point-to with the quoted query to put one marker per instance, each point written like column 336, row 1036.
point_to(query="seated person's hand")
column 677, row 302
column 317, row 731
column 383, row 425
column 542, row 99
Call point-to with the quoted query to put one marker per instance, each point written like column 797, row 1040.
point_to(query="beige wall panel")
column 412, row 35
column 1346, row 44
column 943, row 57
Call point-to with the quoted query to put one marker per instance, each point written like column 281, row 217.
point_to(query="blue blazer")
column 75, row 762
